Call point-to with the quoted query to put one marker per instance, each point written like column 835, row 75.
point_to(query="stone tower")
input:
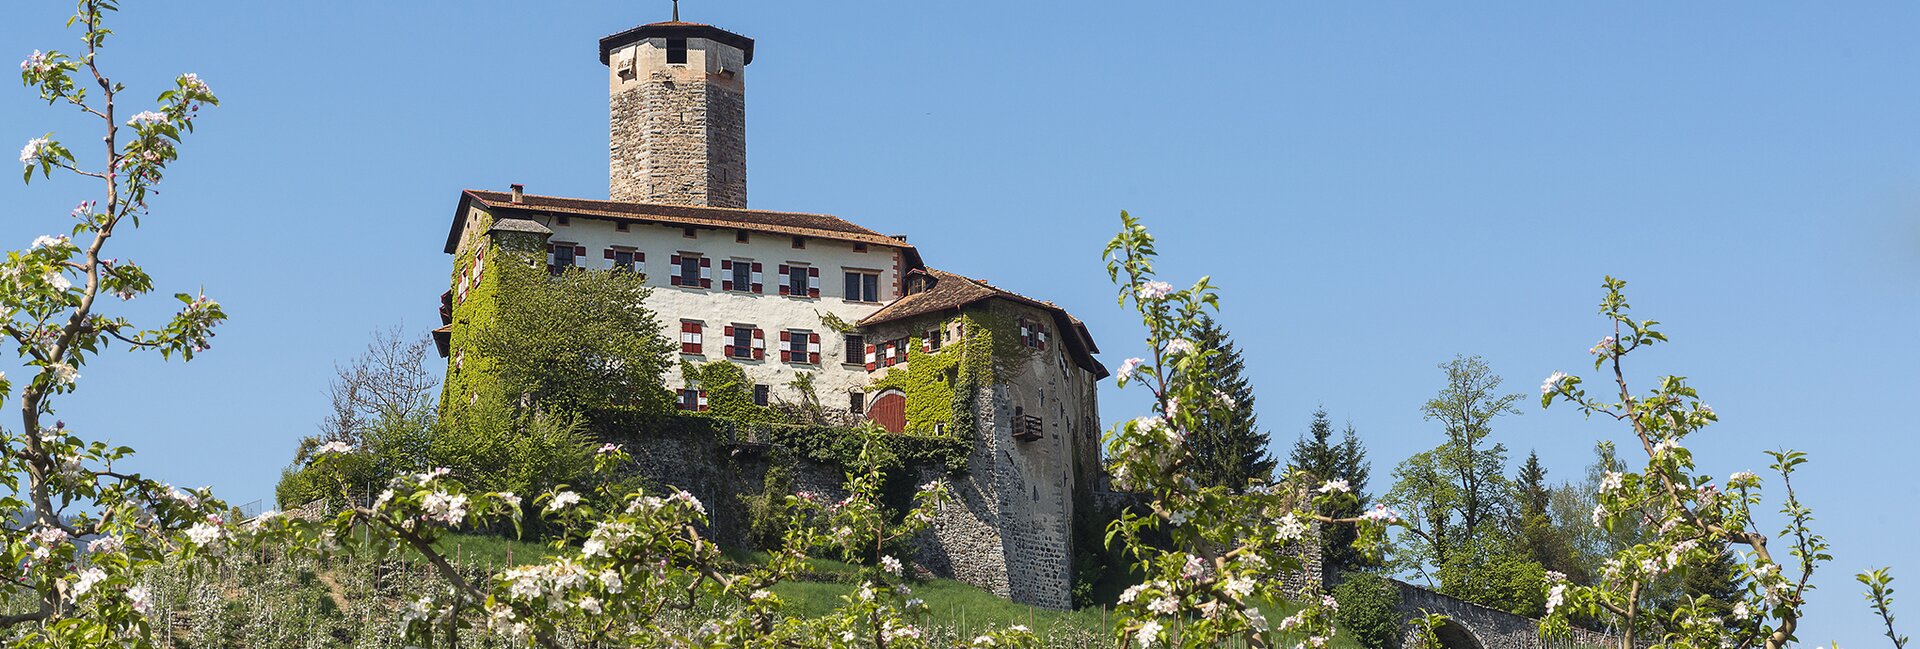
column 677, row 108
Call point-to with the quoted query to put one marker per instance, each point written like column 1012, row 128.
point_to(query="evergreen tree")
column 1540, row 538
column 1318, row 455
column 1229, row 449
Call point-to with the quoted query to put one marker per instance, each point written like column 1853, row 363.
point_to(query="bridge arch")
column 1451, row 634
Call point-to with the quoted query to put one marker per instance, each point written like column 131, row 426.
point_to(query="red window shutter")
column 872, row 357
column 726, row 285
column 549, row 248
column 580, row 251
column 785, row 336
column 759, row 345
column 728, row 351
column 706, row 262
column 676, row 260
column 726, row 264
column 813, row 271
column 729, row 331
column 784, row 269
column 706, row 283
column 608, row 254
column 703, row 401
column 756, row 288
column 756, row 267
column 813, row 292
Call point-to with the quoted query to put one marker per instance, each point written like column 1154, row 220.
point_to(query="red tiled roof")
column 948, row 291
column 819, row 226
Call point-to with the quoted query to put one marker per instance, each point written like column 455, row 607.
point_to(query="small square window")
column 689, row 399
column 856, row 349
column 856, row 402
column 620, row 227
column 562, row 220
column 677, row 50
column 740, row 236
column 799, row 243
column 859, row 247
column 690, row 233
column 760, row 392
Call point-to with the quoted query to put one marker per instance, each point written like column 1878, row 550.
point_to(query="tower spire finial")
column 676, row 11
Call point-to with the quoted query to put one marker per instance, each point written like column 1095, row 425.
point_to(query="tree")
column 1229, row 449
column 1319, row 456
column 1544, row 542
column 580, row 341
column 1457, row 494
column 1690, row 517
column 62, row 488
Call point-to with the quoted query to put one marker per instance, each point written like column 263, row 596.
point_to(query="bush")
column 1367, row 603
column 766, row 515
column 1500, row 578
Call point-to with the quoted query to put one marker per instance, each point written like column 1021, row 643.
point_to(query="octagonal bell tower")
column 677, row 112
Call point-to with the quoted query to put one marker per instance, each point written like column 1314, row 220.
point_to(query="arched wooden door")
column 889, row 410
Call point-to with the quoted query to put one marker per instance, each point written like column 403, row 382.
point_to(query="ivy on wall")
column 941, row 386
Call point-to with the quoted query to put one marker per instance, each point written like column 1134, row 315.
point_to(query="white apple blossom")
column 1154, row 290
column 1132, row 593
column 609, row 447
column 1291, row 528
column 1552, row 383
column 34, row 62
column 204, row 534
column 562, row 500
column 691, row 501
column 1666, row 445
column 105, row 545
column 1166, row 605
column 448, row 508
column 1148, row 634
column 1603, row 348
column 58, row 280
column 146, row 118
column 193, row 83
column 1611, row 481
column 1335, row 486
column 1127, row 368
column 890, row 564
column 87, row 579
column 30, row 154
column 1179, row 346
column 334, row 447
column 141, row 599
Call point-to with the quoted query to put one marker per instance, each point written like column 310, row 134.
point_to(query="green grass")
column 964, row 607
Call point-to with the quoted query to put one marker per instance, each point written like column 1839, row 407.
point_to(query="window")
column 799, row 281
column 745, row 342
column 863, row 286
column 741, row 275
column 739, row 236
column 690, row 337
column 1033, row 334
column 856, row 402
column 799, row 243
column 690, row 233
column 930, row 341
column 692, row 271
column 562, row 220
column 797, row 346
column 859, row 247
column 760, row 394
column 620, row 227
column 856, row 345
column 561, row 256
column 691, row 399
column 677, row 50
column 623, row 260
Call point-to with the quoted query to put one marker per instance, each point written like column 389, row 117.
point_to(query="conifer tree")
column 1318, row 455
column 1229, row 448
column 1542, row 540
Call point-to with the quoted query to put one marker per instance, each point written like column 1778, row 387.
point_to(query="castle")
column 884, row 337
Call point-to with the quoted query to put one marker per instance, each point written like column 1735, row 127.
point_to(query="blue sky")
column 1377, row 187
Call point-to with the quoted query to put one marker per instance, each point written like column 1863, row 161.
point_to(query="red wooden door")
column 890, row 411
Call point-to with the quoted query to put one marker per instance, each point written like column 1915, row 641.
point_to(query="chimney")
column 519, row 193
column 901, row 237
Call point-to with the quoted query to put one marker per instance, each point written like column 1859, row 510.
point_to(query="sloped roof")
column 675, row 29
column 820, row 226
column 947, row 291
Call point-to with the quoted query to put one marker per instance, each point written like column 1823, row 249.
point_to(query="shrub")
column 1367, row 603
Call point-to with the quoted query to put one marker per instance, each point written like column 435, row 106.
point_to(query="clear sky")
column 1376, row 186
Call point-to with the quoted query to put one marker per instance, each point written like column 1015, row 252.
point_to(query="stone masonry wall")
column 677, row 132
